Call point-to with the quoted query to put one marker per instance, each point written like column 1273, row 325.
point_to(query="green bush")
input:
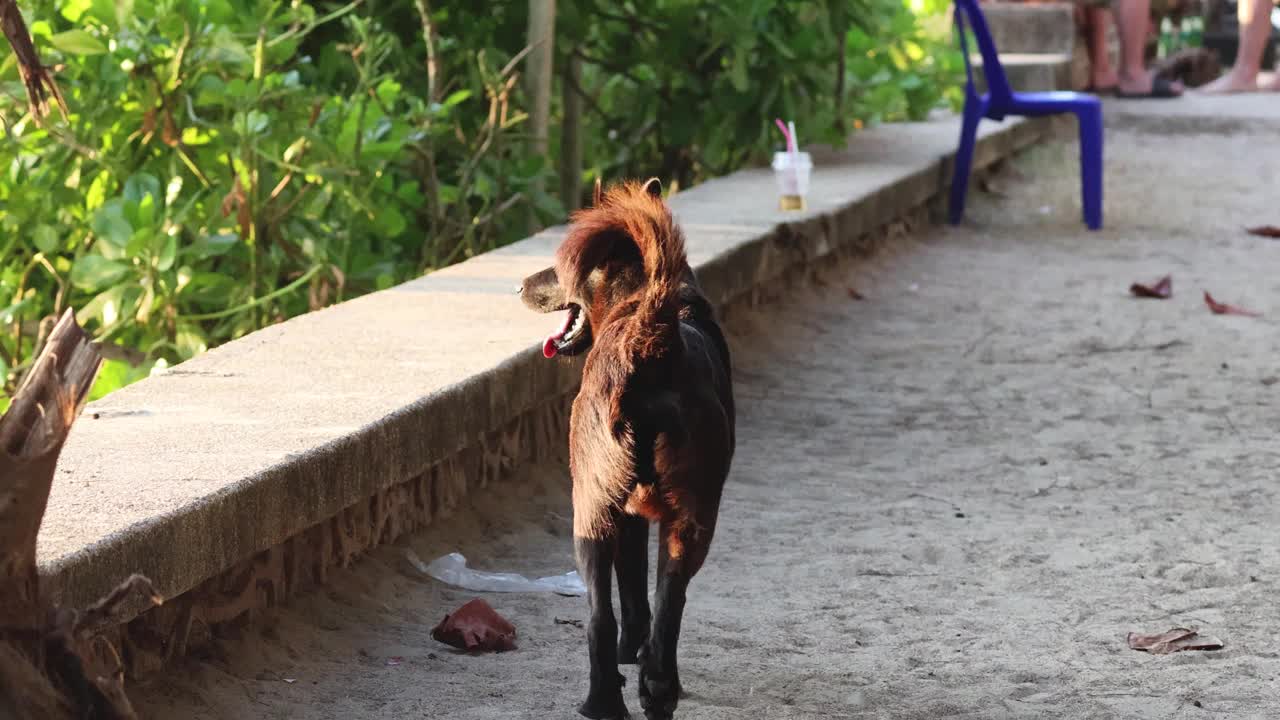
column 689, row 89
column 227, row 164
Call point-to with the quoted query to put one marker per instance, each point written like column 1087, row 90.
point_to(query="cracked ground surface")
column 951, row 499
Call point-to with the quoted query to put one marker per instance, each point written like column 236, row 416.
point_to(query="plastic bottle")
column 1193, row 32
column 1168, row 39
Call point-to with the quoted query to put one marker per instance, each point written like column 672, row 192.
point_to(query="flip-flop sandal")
column 1103, row 91
column 1161, row 89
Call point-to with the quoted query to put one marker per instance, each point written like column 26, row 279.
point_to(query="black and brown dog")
column 651, row 435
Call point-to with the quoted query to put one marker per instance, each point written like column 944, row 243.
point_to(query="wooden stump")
column 43, row 648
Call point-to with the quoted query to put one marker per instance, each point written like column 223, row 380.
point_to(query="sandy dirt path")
column 951, row 499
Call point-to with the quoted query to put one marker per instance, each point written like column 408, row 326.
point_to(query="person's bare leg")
column 1132, row 20
column 1255, row 28
column 1102, row 76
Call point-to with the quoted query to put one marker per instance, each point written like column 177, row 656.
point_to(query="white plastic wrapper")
column 452, row 569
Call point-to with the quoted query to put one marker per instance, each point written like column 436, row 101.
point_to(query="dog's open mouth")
column 572, row 336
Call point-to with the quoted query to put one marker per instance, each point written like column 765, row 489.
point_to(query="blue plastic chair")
column 1000, row 101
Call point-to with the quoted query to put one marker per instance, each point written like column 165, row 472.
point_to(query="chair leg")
column 1091, row 165
column 964, row 158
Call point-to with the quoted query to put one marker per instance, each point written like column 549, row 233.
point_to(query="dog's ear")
column 653, row 186
column 597, row 197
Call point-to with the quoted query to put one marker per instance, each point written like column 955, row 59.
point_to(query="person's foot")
column 1232, row 82
column 1103, row 80
column 1148, row 85
column 1269, row 82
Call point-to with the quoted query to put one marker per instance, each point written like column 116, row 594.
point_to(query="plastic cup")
column 792, row 173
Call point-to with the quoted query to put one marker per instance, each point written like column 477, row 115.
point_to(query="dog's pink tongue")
column 549, row 345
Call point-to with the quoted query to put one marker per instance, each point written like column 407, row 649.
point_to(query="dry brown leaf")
column 1173, row 641
column 1162, row 289
column 1267, row 231
column 1221, row 308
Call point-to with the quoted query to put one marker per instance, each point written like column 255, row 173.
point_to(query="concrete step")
column 1025, row 28
column 1031, row 72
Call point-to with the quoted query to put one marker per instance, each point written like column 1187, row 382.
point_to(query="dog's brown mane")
column 630, row 215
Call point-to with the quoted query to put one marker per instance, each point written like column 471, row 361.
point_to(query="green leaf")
column 456, row 97
column 171, row 25
column 78, row 42
column 210, row 286
column 738, row 73
column 98, row 190
column 7, row 314
column 45, row 239
column 225, row 48
column 103, row 304
column 116, row 374
column 190, row 341
column 139, row 186
column 73, row 9
column 390, row 222
column 168, row 253
column 257, row 122
column 147, row 211
column 92, row 272
column 388, row 90
column 110, row 225
column 139, row 243
column 410, row 194
column 211, row 245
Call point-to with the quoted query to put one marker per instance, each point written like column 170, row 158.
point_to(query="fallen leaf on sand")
column 1161, row 289
column 1173, row 641
column 1268, row 231
column 855, row 295
column 575, row 623
column 1221, row 308
column 476, row 627
column 291, row 680
column 393, row 661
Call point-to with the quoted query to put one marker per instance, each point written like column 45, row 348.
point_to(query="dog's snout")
column 541, row 291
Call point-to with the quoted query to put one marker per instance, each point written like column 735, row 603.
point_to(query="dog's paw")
column 659, row 695
column 611, row 707
column 606, row 704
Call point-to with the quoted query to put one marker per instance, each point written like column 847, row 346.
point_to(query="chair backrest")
column 968, row 13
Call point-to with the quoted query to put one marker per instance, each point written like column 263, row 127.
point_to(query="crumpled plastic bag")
column 476, row 627
column 452, row 569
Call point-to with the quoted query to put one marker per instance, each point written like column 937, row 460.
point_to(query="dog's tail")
column 632, row 215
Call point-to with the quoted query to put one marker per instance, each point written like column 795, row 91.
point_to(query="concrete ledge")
column 1032, row 27
column 236, row 476
column 1029, row 72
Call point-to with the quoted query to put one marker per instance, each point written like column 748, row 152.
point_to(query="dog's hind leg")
column 595, row 560
column 633, row 577
column 681, row 551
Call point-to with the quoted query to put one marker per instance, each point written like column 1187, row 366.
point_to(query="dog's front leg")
column 595, row 560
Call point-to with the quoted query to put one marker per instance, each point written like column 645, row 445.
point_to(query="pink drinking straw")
column 788, row 130
column 786, row 134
